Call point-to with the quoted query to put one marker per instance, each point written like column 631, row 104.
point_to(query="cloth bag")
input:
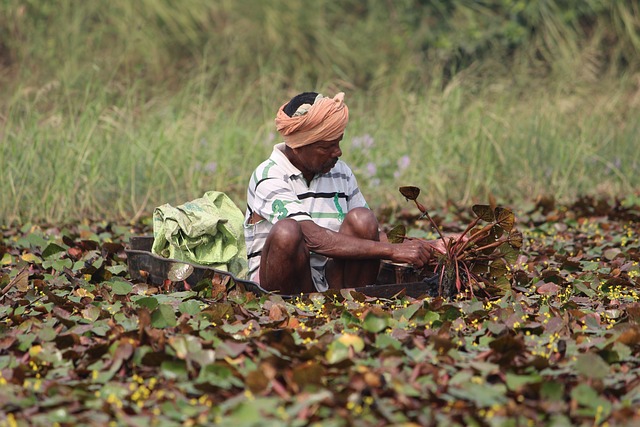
column 206, row 231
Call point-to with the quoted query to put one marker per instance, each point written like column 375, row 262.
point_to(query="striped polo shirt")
column 278, row 190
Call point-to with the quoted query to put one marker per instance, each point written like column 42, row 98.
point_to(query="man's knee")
column 362, row 222
column 286, row 233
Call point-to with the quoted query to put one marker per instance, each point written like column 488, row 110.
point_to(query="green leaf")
column 397, row 234
column 406, row 312
column 384, row 341
column 552, row 391
column 515, row 382
column 191, row 307
column 52, row 249
column 163, row 317
column 592, row 366
column 149, row 303
column 484, row 212
column 374, row 323
column 336, row 352
column 185, row 345
column 174, row 370
column 121, row 288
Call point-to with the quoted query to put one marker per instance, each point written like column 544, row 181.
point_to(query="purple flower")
column 403, row 163
column 270, row 138
column 364, row 142
column 211, row 167
column 372, row 169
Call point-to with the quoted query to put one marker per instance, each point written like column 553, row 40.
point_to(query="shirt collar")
column 281, row 159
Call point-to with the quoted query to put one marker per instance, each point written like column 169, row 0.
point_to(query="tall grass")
column 110, row 109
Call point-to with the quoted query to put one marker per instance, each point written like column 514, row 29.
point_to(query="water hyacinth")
column 362, row 142
column 403, row 164
column 372, row 169
column 210, row 167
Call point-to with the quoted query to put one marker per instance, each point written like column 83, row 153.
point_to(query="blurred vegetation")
column 110, row 108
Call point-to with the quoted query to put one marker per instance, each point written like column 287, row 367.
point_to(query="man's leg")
column 284, row 263
column 341, row 273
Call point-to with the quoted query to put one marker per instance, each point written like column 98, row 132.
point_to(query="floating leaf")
column 191, row 307
column 21, row 281
column 179, row 271
column 163, row 317
column 52, row 249
column 121, row 288
column 590, row 365
column 505, row 218
column 374, row 323
column 484, row 212
column 515, row 239
column 149, row 303
column 497, row 268
column 409, row 192
column 397, row 234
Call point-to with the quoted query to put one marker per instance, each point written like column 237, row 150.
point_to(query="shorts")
column 318, row 266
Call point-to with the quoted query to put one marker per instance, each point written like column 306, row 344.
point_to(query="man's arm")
column 337, row 245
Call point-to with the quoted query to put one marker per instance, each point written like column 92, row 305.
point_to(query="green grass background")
column 108, row 109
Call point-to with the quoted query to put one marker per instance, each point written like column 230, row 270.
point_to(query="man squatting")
column 307, row 225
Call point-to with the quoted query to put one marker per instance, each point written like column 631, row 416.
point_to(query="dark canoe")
column 144, row 266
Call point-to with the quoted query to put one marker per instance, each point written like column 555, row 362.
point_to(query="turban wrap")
column 325, row 120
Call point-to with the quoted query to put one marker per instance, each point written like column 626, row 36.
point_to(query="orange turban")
column 325, row 120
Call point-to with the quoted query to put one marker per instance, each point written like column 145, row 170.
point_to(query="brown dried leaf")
column 410, row 192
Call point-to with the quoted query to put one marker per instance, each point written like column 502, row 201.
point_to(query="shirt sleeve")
column 356, row 198
column 274, row 199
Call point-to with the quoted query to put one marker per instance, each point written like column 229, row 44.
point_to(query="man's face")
column 319, row 157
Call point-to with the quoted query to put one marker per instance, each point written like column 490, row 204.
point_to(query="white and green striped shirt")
column 278, row 190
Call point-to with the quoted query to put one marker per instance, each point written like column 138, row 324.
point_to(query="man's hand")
column 413, row 251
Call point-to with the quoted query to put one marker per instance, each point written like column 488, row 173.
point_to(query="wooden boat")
column 394, row 279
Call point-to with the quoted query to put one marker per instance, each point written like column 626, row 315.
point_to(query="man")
column 307, row 226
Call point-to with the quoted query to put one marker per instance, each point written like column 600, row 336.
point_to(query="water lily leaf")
column 515, row 239
column 484, row 212
column 374, row 323
column 548, row 288
column 351, row 340
column 31, row 258
column 339, row 349
column 21, row 281
column 309, row 373
column 191, row 307
column 508, row 253
column 592, row 366
column 516, row 382
column 257, row 381
column 482, row 395
column 7, row 259
column 385, row 340
column 185, row 345
column 163, row 317
column 505, row 218
column 497, row 268
column 174, row 370
column 121, row 287
column 410, row 192
column 149, row 303
column 397, row 234
column 52, row 249
column 336, row 352
column 586, row 396
column 179, row 271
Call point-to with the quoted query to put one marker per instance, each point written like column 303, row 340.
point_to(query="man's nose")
column 337, row 152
